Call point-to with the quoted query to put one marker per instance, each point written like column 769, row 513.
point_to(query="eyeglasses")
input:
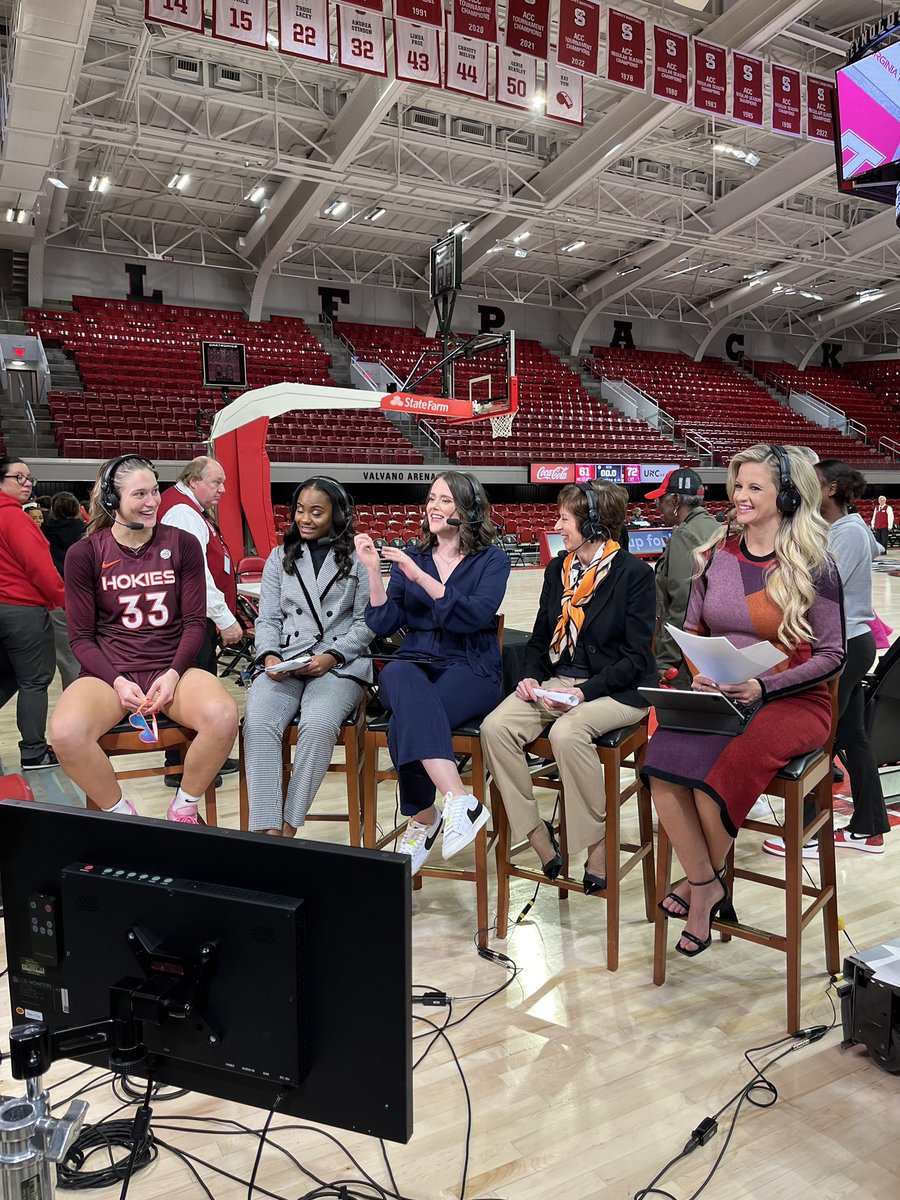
column 148, row 728
column 21, row 479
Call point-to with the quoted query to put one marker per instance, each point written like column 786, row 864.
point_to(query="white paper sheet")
column 719, row 660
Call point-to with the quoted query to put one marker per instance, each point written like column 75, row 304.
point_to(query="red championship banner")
column 466, row 66
column 516, row 78
column 183, row 14
column 819, row 119
column 710, row 78
column 579, row 36
column 565, row 94
column 423, row 12
column 361, row 40
column 626, row 50
column 475, row 19
column 241, row 21
column 786, row 115
column 670, row 65
column 303, row 29
column 417, row 56
column 747, row 89
column 528, row 26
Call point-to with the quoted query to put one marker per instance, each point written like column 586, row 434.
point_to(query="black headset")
column 474, row 514
column 109, row 497
column 341, row 500
column 788, row 499
column 592, row 528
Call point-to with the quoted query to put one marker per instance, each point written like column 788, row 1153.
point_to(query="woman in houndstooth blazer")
column 313, row 599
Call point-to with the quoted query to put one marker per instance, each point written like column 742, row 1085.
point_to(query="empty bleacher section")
column 141, row 368
column 720, row 407
column 557, row 418
column 842, row 389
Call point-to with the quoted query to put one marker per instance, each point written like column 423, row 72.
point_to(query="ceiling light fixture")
column 10, row 214
column 628, row 270
column 103, row 185
column 520, row 252
column 756, row 274
column 21, row 216
column 57, row 183
column 460, row 227
column 257, row 194
column 539, row 103
column 495, row 249
column 720, row 267
column 375, row 215
column 520, row 237
column 573, row 246
column 179, row 181
column 812, row 296
column 336, row 208
column 869, row 294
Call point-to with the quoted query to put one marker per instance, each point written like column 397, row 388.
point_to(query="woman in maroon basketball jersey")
column 136, row 610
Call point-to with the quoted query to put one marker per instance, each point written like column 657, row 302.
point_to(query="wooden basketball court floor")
column 583, row 1083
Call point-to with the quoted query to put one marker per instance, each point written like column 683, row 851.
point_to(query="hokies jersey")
column 136, row 612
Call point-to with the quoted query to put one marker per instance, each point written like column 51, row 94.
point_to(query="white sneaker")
column 464, row 816
column 776, row 846
column 418, row 840
column 760, row 809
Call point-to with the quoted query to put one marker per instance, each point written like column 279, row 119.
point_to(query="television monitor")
column 224, row 364
column 868, row 106
column 257, row 967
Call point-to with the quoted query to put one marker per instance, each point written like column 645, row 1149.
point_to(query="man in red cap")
column 679, row 499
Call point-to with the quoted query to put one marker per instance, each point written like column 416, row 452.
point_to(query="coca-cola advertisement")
column 558, row 473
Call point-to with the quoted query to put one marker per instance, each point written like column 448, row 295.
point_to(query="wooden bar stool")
column 466, row 741
column 124, row 739
column 351, row 738
column 617, row 749
column 806, row 775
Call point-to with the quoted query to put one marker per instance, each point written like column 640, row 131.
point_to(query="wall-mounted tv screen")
column 868, row 111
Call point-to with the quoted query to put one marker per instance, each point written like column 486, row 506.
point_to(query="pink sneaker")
column 185, row 814
column 872, row 844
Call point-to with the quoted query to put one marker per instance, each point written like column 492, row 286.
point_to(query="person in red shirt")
column 30, row 587
column 136, row 609
column 882, row 521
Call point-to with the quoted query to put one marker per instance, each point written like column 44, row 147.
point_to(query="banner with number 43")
column 417, row 53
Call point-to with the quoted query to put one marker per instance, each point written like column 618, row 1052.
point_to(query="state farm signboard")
column 559, row 473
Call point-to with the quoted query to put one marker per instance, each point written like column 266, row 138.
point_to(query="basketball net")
column 501, row 426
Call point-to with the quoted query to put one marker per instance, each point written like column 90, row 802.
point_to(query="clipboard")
column 699, row 712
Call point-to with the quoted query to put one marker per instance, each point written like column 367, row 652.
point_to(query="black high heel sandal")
column 552, row 868
column 682, row 916
column 722, row 910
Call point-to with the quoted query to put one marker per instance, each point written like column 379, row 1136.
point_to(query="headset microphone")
column 128, row 524
column 456, row 522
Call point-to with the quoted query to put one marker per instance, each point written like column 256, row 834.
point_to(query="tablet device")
column 698, row 712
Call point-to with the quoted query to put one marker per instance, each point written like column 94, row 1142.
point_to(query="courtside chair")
column 806, row 775
column 124, row 739
column 351, row 737
column 466, row 744
column 618, row 749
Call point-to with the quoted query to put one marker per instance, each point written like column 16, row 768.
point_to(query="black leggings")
column 852, row 742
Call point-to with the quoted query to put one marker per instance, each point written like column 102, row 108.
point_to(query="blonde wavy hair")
column 801, row 541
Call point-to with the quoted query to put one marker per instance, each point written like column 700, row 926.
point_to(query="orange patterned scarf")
column 576, row 598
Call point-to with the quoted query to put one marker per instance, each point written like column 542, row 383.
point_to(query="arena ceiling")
column 94, row 94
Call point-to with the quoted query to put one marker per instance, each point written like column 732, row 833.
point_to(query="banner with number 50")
column 416, row 53
column 303, row 29
column 361, row 40
column 516, row 78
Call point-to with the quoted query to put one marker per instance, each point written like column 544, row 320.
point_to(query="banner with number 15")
column 241, row 21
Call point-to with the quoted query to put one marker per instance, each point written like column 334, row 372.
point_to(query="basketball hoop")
column 501, row 425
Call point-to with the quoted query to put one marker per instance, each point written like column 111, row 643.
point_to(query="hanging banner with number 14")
column 416, row 53
column 241, row 21
column 361, row 40
column 303, row 29
column 183, row 14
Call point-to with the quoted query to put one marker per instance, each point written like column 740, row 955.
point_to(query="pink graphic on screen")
column 869, row 108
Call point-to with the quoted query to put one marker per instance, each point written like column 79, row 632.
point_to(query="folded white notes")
column 719, row 660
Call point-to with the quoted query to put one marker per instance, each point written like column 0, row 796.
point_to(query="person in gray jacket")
column 679, row 499
column 312, row 608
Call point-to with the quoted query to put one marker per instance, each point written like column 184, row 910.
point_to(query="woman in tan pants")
column 592, row 643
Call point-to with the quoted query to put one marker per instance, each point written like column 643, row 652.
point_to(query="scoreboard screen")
column 224, row 364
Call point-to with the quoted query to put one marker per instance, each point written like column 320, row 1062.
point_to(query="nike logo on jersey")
column 111, row 564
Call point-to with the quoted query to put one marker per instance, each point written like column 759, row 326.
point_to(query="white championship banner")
column 303, row 29
column 417, row 56
column 361, row 40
